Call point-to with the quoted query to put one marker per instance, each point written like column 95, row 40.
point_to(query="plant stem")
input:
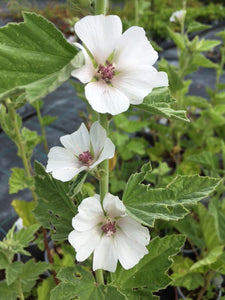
column 21, row 295
column 42, row 127
column 104, row 185
column 101, row 7
column 208, row 279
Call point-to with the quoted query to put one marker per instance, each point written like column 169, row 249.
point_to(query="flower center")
column 109, row 228
column 106, row 72
column 86, row 158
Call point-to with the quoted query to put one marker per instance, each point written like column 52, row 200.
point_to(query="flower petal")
column 106, row 99
column 133, row 48
column 137, row 83
column 105, row 256
column 77, row 142
column 99, row 34
column 98, row 137
column 84, row 242
column 107, row 152
column 63, row 164
column 134, row 230
column 113, row 206
column 90, row 214
column 87, row 71
column 129, row 252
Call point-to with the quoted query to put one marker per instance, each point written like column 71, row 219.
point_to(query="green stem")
column 21, row 295
column 104, row 184
column 20, row 144
column 42, row 127
column 101, row 7
column 136, row 12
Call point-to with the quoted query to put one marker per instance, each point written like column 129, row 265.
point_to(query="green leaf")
column 24, row 211
column 202, row 61
column 131, row 126
column 44, row 289
column 34, row 58
column 206, row 45
column 158, row 101
column 47, row 120
column 54, row 206
column 30, row 140
column 177, row 38
column 196, row 101
column 151, row 270
column 78, row 282
column 217, row 212
column 205, row 159
column 196, row 26
column 8, row 292
column 31, row 272
column 182, row 276
column 19, row 181
column 208, row 228
column 170, row 203
column 204, row 264
column 12, row 271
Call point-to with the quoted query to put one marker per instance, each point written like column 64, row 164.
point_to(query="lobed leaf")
column 34, row 58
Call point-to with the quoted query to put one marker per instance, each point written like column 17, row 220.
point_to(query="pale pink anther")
column 106, row 72
column 86, row 158
column 109, row 228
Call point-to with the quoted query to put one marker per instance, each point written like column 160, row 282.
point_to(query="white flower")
column 111, row 237
column 82, row 151
column 177, row 16
column 118, row 67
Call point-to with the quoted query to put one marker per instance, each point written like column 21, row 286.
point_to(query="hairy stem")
column 43, row 132
column 101, row 7
column 208, row 279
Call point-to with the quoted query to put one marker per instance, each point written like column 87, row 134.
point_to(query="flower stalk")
column 43, row 131
column 101, row 7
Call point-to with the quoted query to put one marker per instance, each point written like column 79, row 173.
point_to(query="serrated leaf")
column 205, row 159
column 30, row 274
column 78, row 282
column 157, row 102
column 151, row 270
column 182, row 276
column 35, row 58
column 24, row 236
column 196, row 26
column 54, row 206
column 30, row 140
column 19, row 181
column 201, row 61
column 8, row 292
column 24, row 211
column 206, row 45
column 170, row 203
column 12, row 271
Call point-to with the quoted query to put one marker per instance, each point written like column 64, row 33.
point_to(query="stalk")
column 43, row 131
column 101, row 8
column 208, row 279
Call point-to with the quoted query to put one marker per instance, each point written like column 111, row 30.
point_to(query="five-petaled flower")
column 118, row 67
column 81, row 151
column 110, row 234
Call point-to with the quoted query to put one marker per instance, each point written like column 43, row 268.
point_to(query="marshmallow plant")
column 109, row 235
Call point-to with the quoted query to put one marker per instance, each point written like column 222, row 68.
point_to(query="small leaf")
column 47, row 120
column 201, row 61
column 206, row 45
column 158, row 101
column 19, row 181
column 131, row 126
column 44, row 289
column 177, row 38
column 30, row 140
column 24, row 211
column 217, row 212
column 196, row 26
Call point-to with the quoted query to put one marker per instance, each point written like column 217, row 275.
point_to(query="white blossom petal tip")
column 118, row 66
column 110, row 235
column 82, row 151
column 177, row 16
